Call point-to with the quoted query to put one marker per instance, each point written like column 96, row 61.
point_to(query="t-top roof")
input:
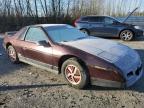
column 49, row 25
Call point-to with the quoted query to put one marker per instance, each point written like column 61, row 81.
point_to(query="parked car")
column 105, row 26
column 82, row 59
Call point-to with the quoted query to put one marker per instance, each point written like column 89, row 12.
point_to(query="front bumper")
column 134, row 79
column 116, row 84
column 139, row 32
column 106, row 83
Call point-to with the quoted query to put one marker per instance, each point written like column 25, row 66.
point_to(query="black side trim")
column 41, row 65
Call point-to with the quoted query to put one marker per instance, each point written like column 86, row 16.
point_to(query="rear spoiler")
column 10, row 33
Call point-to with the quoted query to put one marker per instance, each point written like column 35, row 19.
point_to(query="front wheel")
column 74, row 73
column 12, row 54
column 126, row 35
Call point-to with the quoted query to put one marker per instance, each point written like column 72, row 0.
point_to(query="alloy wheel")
column 84, row 31
column 126, row 35
column 12, row 53
column 73, row 74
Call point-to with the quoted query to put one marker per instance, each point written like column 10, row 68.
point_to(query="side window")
column 84, row 19
column 109, row 20
column 35, row 34
column 96, row 19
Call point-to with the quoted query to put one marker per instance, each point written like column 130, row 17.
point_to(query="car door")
column 96, row 26
column 110, row 27
column 34, row 52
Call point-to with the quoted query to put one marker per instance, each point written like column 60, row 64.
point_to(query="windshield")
column 64, row 33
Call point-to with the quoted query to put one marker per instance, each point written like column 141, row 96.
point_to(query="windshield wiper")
column 64, row 41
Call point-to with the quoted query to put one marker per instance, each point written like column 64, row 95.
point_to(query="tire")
column 126, row 35
column 12, row 54
column 85, row 31
column 75, row 74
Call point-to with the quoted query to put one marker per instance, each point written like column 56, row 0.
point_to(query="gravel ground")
column 25, row 86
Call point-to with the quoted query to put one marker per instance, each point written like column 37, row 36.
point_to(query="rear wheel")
column 85, row 31
column 126, row 35
column 12, row 54
column 74, row 73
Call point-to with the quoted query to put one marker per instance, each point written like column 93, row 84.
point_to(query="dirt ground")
column 25, row 86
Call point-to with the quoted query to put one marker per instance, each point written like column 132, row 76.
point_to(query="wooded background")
column 17, row 13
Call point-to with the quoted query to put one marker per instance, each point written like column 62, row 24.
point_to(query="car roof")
column 47, row 25
column 95, row 16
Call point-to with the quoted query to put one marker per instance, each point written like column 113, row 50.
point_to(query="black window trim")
column 49, row 38
column 23, row 34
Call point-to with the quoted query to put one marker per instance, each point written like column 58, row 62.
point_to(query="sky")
column 127, row 5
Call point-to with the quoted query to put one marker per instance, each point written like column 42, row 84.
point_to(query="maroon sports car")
column 82, row 59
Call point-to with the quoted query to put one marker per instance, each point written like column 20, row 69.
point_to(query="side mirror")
column 43, row 43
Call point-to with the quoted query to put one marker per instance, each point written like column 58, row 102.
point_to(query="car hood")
column 120, row 55
column 125, row 24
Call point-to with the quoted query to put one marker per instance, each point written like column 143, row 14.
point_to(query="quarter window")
column 35, row 34
column 22, row 33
